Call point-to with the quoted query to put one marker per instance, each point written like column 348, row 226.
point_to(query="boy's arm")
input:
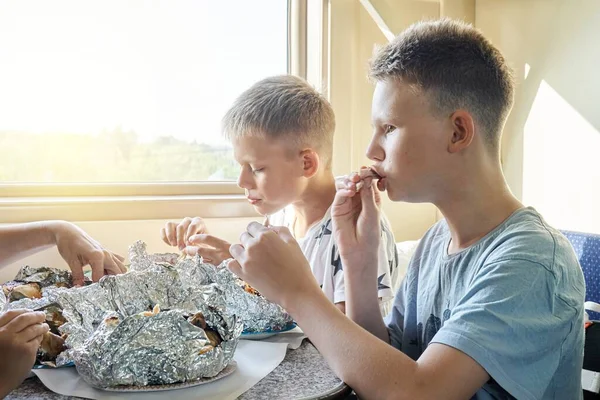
column 270, row 260
column 75, row 246
column 19, row 241
column 362, row 301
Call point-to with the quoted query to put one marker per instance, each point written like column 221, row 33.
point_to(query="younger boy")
column 282, row 135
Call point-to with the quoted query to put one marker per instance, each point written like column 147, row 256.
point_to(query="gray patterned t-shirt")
column 318, row 245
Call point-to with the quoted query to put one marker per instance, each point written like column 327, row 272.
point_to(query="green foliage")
column 114, row 156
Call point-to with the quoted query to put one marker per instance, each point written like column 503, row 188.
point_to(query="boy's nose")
column 375, row 151
column 243, row 181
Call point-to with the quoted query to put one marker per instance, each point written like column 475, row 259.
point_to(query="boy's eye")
column 257, row 170
column 388, row 129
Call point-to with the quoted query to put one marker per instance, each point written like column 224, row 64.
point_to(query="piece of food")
column 54, row 317
column 24, row 291
column 250, row 289
column 368, row 173
column 52, row 345
column 212, row 335
column 154, row 311
column 111, row 321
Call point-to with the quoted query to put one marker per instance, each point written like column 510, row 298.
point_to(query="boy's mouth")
column 373, row 173
column 369, row 172
column 253, row 201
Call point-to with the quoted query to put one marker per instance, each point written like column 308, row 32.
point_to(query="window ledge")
column 111, row 208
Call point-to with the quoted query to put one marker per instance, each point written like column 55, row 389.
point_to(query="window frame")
column 24, row 202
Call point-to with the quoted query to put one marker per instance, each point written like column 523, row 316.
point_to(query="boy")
column 282, row 135
column 21, row 331
column 492, row 303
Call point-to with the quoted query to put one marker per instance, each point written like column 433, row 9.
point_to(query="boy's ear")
column 463, row 131
column 310, row 162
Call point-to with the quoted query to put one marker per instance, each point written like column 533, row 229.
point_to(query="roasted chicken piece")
column 52, row 345
column 212, row 335
column 17, row 290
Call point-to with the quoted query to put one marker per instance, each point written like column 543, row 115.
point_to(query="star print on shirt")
column 336, row 261
column 380, row 284
column 325, row 230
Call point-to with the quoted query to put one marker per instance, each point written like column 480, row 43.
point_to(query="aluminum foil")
column 3, row 301
column 136, row 349
column 45, row 276
column 140, row 259
column 157, row 349
column 256, row 312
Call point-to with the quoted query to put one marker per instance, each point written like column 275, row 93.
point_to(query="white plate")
column 181, row 385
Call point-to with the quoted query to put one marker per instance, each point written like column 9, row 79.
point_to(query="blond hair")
column 456, row 67
column 287, row 108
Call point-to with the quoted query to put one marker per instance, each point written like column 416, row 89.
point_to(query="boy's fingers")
column 33, row 331
column 284, row 233
column 171, row 234
column 238, row 252
column 367, row 197
column 9, row 315
column 209, row 240
column 211, row 255
column 191, row 250
column 197, row 226
column 181, row 230
column 26, row 319
column 235, row 268
column 255, row 229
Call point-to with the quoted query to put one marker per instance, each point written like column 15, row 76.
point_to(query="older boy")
column 282, row 135
column 492, row 304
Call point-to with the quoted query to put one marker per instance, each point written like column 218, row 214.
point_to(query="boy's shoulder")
column 524, row 235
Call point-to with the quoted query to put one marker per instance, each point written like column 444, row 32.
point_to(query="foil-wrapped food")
column 170, row 319
column 255, row 312
column 116, row 333
column 32, row 288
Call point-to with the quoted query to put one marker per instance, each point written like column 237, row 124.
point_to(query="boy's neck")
column 476, row 207
column 314, row 203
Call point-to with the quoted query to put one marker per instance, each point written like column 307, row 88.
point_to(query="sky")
column 167, row 67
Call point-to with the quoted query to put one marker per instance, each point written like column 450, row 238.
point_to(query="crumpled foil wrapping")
column 143, row 350
column 45, row 276
column 256, row 312
column 157, row 349
column 3, row 301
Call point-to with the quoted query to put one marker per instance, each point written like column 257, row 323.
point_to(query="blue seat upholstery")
column 587, row 248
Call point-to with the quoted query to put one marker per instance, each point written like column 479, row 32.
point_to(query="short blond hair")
column 456, row 67
column 284, row 107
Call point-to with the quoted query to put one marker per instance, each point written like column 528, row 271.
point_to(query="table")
column 303, row 374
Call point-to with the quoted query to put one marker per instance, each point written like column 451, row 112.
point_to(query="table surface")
column 303, row 374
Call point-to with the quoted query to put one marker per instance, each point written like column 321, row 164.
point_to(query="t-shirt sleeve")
column 510, row 322
column 394, row 321
column 387, row 262
column 339, row 287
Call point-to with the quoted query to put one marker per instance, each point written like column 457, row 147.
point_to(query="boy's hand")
column 356, row 217
column 270, row 260
column 191, row 237
column 79, row 249
column 21, row 333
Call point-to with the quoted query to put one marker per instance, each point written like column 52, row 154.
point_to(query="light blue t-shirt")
column 513, row 302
